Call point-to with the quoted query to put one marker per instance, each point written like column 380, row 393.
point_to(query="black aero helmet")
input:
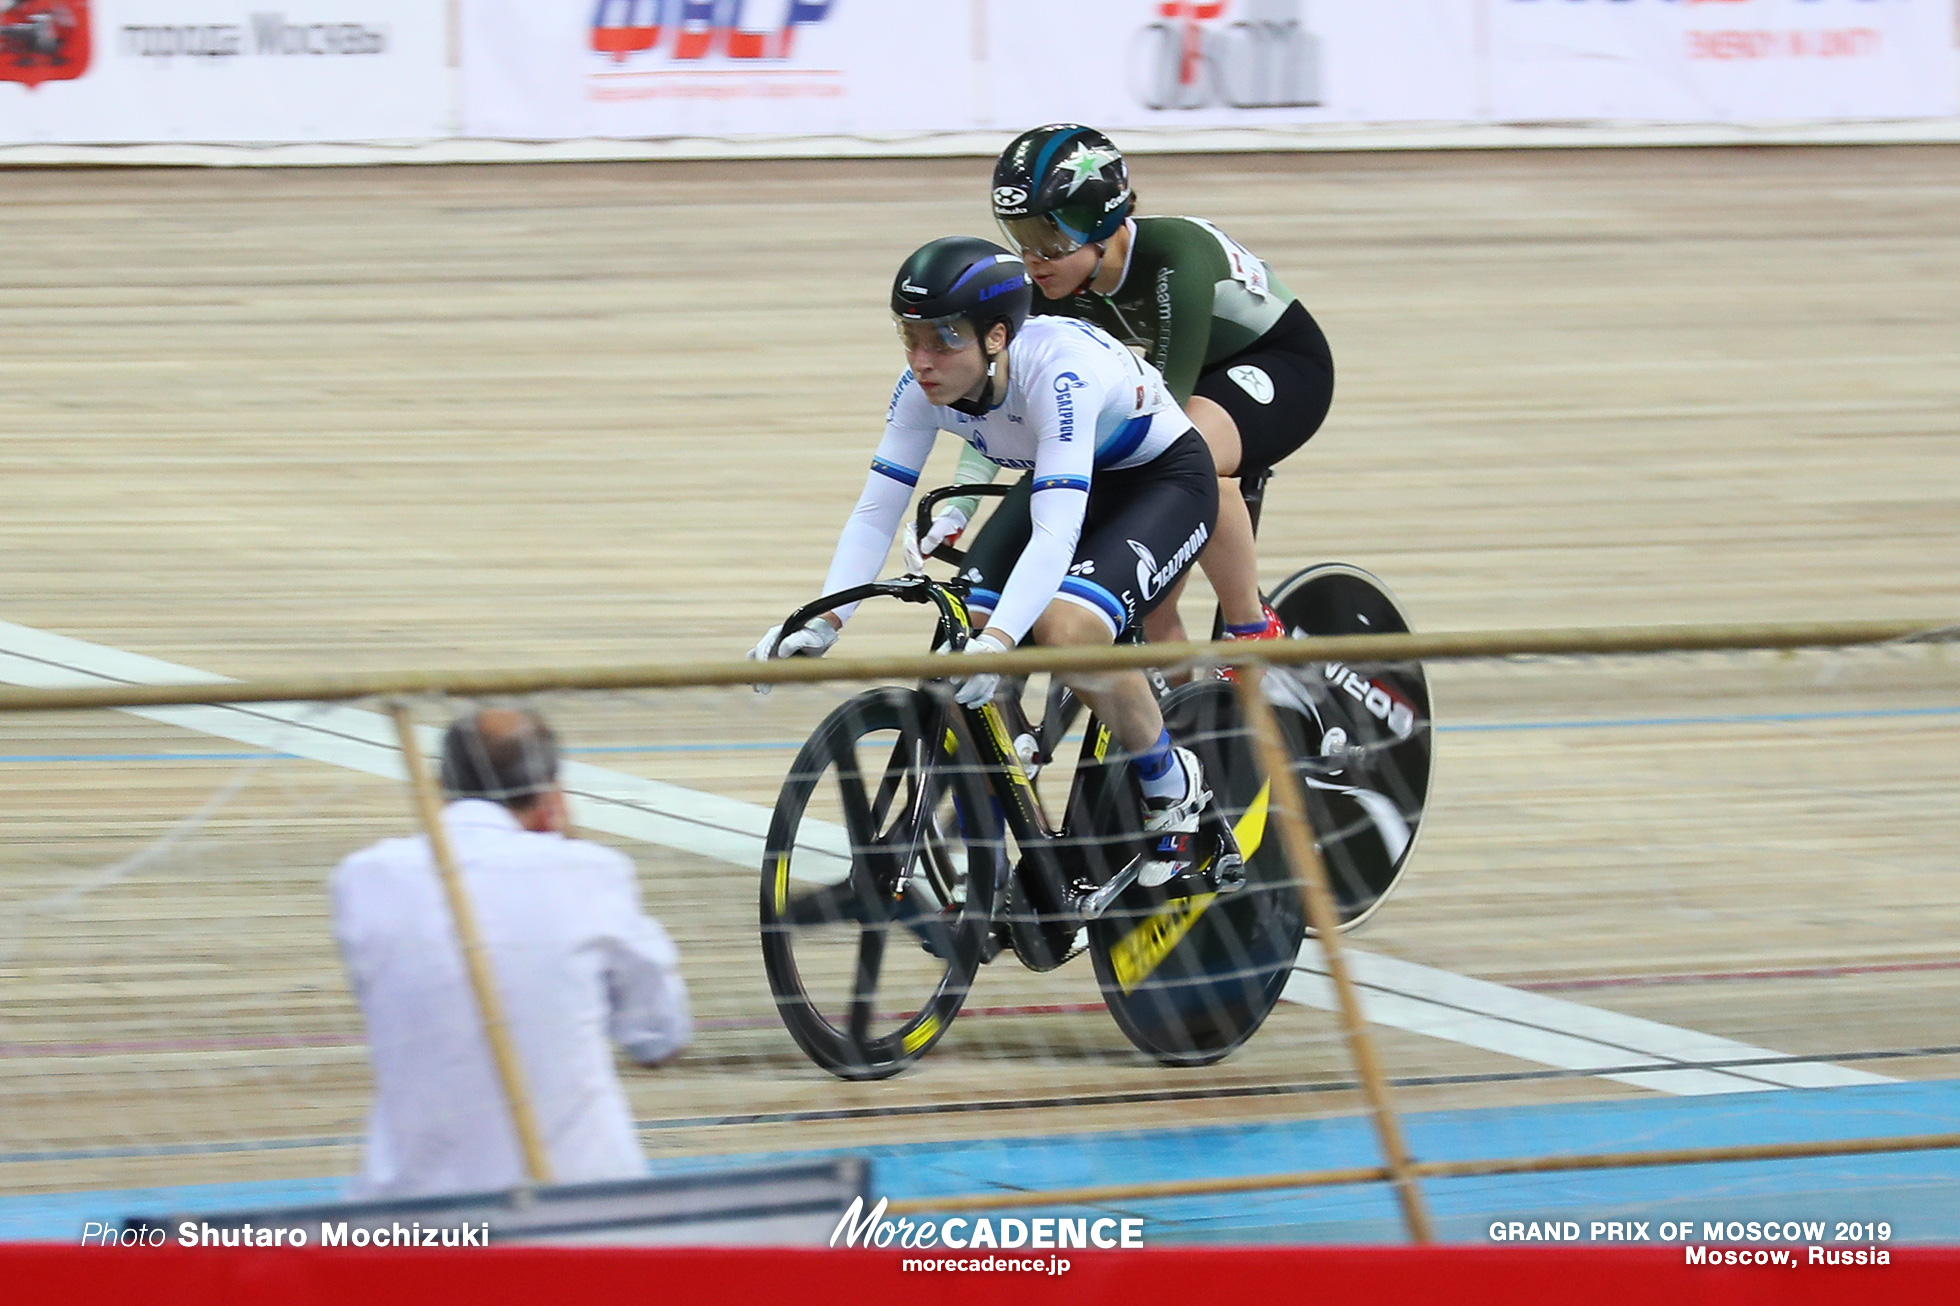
column 1060, row 187
column 962, row 279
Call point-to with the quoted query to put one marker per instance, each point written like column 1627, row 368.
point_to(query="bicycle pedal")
column 1228, row 873
column 1225, row 869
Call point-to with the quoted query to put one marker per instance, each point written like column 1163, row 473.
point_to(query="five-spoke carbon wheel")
column 878, row 884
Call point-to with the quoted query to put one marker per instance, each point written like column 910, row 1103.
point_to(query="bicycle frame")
column 1062, row 707
column 1042, row 927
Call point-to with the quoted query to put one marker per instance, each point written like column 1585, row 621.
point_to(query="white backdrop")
column 1203, row 63
column 1736, row 61
column 263, row 71
column 664, row 68
column 716, row 67
column 222, row 70
column 719, row 67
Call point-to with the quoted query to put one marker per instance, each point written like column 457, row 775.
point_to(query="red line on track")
column 247, row 1043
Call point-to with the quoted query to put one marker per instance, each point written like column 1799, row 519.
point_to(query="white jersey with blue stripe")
column 1078, row 400
column 1063, row 375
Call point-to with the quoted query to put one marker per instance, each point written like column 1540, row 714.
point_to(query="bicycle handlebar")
column 947, row 552
column 906, row 589
column 910, row 589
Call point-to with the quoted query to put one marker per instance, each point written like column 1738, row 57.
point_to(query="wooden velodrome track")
column 260, row 422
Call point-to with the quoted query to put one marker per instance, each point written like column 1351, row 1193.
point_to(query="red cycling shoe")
column 1274, row 629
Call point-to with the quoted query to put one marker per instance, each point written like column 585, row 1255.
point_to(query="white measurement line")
column 1529, row 1026
column 1553, row 1031
column 649, row 811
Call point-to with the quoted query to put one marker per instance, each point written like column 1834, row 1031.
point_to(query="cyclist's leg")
column 1164, row 625
column 1254, row 409
column 1123, row 699
column 1231, row 560
column 1144, row 528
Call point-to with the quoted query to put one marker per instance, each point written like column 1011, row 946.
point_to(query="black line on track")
column 1268, row 1090
column 1015, row 1104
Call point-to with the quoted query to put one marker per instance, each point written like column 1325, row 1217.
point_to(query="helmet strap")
column 1089, row 282
column 987, row 401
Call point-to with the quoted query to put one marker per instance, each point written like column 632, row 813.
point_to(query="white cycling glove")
column 813, row 641
column 946, row 528
column 976, row 690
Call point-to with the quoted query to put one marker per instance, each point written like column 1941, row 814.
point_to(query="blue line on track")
column 1918, row 1193
column 774, row 746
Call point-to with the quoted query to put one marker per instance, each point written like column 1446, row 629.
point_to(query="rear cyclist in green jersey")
column 1235, row 346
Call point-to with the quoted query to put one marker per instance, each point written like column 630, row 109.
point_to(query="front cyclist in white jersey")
column 1124, row 494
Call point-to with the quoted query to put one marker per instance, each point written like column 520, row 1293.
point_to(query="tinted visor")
column 1043, row 236
column 936, row 335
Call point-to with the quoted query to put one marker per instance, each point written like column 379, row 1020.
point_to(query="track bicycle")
column 1368, row 732
column 909, row 847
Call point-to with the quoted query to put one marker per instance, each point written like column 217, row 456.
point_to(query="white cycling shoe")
column 1172, row 824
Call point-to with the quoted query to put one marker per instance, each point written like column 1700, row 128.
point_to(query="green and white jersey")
column 1190, row 297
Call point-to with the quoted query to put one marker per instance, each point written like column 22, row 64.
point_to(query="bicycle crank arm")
column 1090, row 906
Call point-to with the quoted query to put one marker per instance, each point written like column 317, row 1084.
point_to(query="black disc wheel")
column 878, row 884
column 1366, row 735
column 1189, row 974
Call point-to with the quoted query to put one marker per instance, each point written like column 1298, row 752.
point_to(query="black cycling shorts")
column 1277, row 389
column 1144, row 528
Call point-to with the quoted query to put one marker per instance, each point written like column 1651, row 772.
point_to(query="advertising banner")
column 1231, row 63
column 651, row 68
column 681, row 68
column 274, row 71
column 115, row 71
column 1722, row 60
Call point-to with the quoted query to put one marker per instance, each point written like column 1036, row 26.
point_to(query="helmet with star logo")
column 1060, row 187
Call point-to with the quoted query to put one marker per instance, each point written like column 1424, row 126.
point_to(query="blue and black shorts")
column 1144, row 528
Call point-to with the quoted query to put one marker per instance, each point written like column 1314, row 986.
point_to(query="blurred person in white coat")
column 576, row 963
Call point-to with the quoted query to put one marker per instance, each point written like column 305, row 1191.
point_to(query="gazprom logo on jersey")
column 1240, row 54
column 696, row 29
column 1066, row 384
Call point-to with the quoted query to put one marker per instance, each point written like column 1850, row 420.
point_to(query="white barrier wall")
column 553, row 70
column 77, row 71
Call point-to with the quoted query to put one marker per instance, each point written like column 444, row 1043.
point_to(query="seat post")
column 1253, row 491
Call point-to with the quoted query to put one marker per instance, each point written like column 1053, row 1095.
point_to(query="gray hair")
column 507, row 755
